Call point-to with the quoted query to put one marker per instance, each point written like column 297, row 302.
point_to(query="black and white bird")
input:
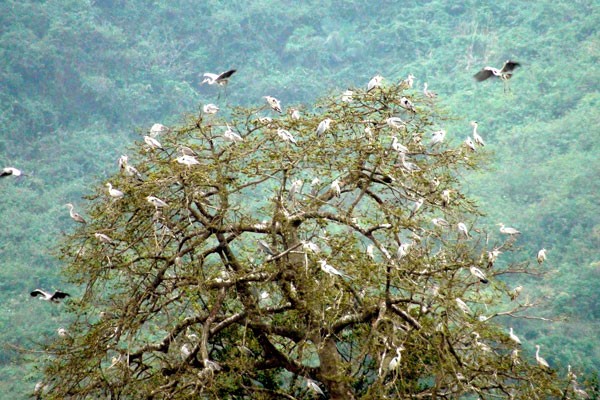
column 75, row 215
column 218, row 79
column 54, row 297
column 504, row 73
column 273, row 103
column 7, row 171
column 476, row 272
column 407, row 104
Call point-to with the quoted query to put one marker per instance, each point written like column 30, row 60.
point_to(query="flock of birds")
column 188, row 158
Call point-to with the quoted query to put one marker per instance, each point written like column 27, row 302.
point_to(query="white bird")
column 185, row 350
column 294, row 113
column 74, row 215
column 331, row 270
column 407, row 104
column 186, row 151
column 476, row 272
column 399, row 147
column 157, row 129
column 403, row 250
column 210, row 108
column 335, row 187
column 446, row 197
column 395, row 122
column 438, row 137
column 314, row 186
column 347, row 96
column 323, row 126
column 103, row 238
column 513, row 337
column 410, row 79
column 407, row 165
column 541, row 256
column 462, row 228
column 514, row 294
column 52, row 297
column 286, row 136
column 219, row 79
column 156, row 202
column 514, row 357
column 463, row 306
column 469, row 143
column 312, row 247
column 62, row 332
column 375, row 82
column 395, row 362
column 441, row 222
column 264, row 246
column 295, row 188
column 232, row 136
column 273, row 103
column 417, row 205
column 312, row 385
column 541, row 362
column 115, row 193
column 370, row 250
column 492, row 256
column 503, row 73
column 187, row 160
column 476, row 137
column 7, row 171
column 427, row 92
column 482, row 346
column 508, row 230
column 152, row 143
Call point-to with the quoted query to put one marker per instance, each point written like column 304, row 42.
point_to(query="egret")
column 476, row 137
column 395, row 362
column 286, row 136
column 62, row 332
column 295, row 188
column 462, row 228
column 508, row 230
column 427, row 92
column 399, row 147
column 232, row 136
column 331, row 270
column 157, row 129
column 74, row 215
column 417, row 204
column 54, row 297
column 437, row 137
column 186, row 151
column 219, row 79
column 541, row 256
column 513, row 337
column 7, row 171
column 129, row 170
column 514, row 294
column 187, row 160
column 541, row 362
column 185, row 351
column 294, row 113
column 114, row 193
column 375, row 82
column 476, row 272
column 514, row 357
column 441, row 222
column 463, row 306
column 152, row 143
column 323, row 126
column 492, row 256
column 335, row 187
column 370, row 249
column 314, row 186
column 407, row 165
column 273, row 103
column 210, row 108
column 264, row 246
column 446, row 197
column 347, row 96
column 469, row 143
column 312, row 385
column 503, row 73
column 395, row 123
column 103, row 238
column 156, row 202
column 403, row 250
column 410, row 79
column 312, row 247
column 407, row 104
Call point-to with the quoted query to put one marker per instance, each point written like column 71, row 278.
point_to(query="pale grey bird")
column 294, row 113
column 103, row 238
column 312, row 247
column 395, row 361
column 446, row 197
column 264, row 246
column 156, row 202
column 210, row 108
column 462, row 228
column 127, row 169
column 114, row 193
column 407, row 104
column 469, row 143
column 441, row 222
column 403, row 250
column 407, row 165
column 477, row 273
column 75, row 215
column 427, row 92
column 157, row 129
column 417, row 205
column 397, row 146
column 312, row 386
column 232, row 136
column 186, row 151
column 541, row 256
column 492, row 256
column 331, row 270
column 347, row 96
column 476, row 137
column 323, row 126
column 541, row 362
column 295, row 188
column 410, row 79
column 285, row 135
column 395, row 122
column 375, row 82
column 438, row 137
column 513, row 337
column 152, row 143
column 219, row 79
column 335, row 187
column 52, row 297
column 503, row 73
column 508, row 230
column 62, row 332
column 187, row 160
column 463, row 306
column 273, row 103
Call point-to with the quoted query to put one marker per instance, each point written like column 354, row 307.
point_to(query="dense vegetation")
column 79, row 78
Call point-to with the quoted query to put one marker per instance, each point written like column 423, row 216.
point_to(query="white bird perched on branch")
column 312, row 247
column 331, row 270
column 232, row 136
column 492, row 256
column 103, row 238
column 399, row 147
column 187, row 160
column 52, row 297
column 417, row 205
column 219, row 79
column 446, row 197
column 264, row 247
column 75, row 215
column 7, row 171
column 273, row 103
column 370, row 251
column 463, row 306
column 210, row 108
column 462, row 228
column 437, row 137
column 347, row 96
column 541, row 256
column 286, row 135
column 410, row 79
column 395, row 362
column 407, row 165
column 476, row 137
column 407, row 104
column 441, row 222
column 514, row 294
column 403, row 250
column 335, row 187
column 469, row 143
column 295, row 188
column 114, row 193
column 508, row 230
column 476, row 272
column 375, row 82
column 312, row 385
column 323, row 126
column 156, row 202
column 152, row 143
column 127, row 169
column 294, row 113
column 541, row 362
column 157, row 129
column 513, row 337
column 62, row 332
column 427, row 92
column 395, row 122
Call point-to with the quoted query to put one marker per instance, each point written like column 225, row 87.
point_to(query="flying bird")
column 7, row 171
column 219, row 79
column 54, row 297
column 504, row 73
column 273, row 103
column 74, row 215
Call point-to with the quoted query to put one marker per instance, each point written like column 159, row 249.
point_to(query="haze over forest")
column 82, row 81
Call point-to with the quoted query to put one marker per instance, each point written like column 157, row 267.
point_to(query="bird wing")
column 60, row 295
column 225, row 75
column 38, row 292
column 6, row 172
column 509, row 66
column 483, row 74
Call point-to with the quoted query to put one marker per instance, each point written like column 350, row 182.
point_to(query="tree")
column 284, row 258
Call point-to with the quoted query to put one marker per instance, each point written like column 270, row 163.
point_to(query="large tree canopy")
column 326, row 253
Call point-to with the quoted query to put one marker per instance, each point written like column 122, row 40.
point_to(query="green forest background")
column 82, row 80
